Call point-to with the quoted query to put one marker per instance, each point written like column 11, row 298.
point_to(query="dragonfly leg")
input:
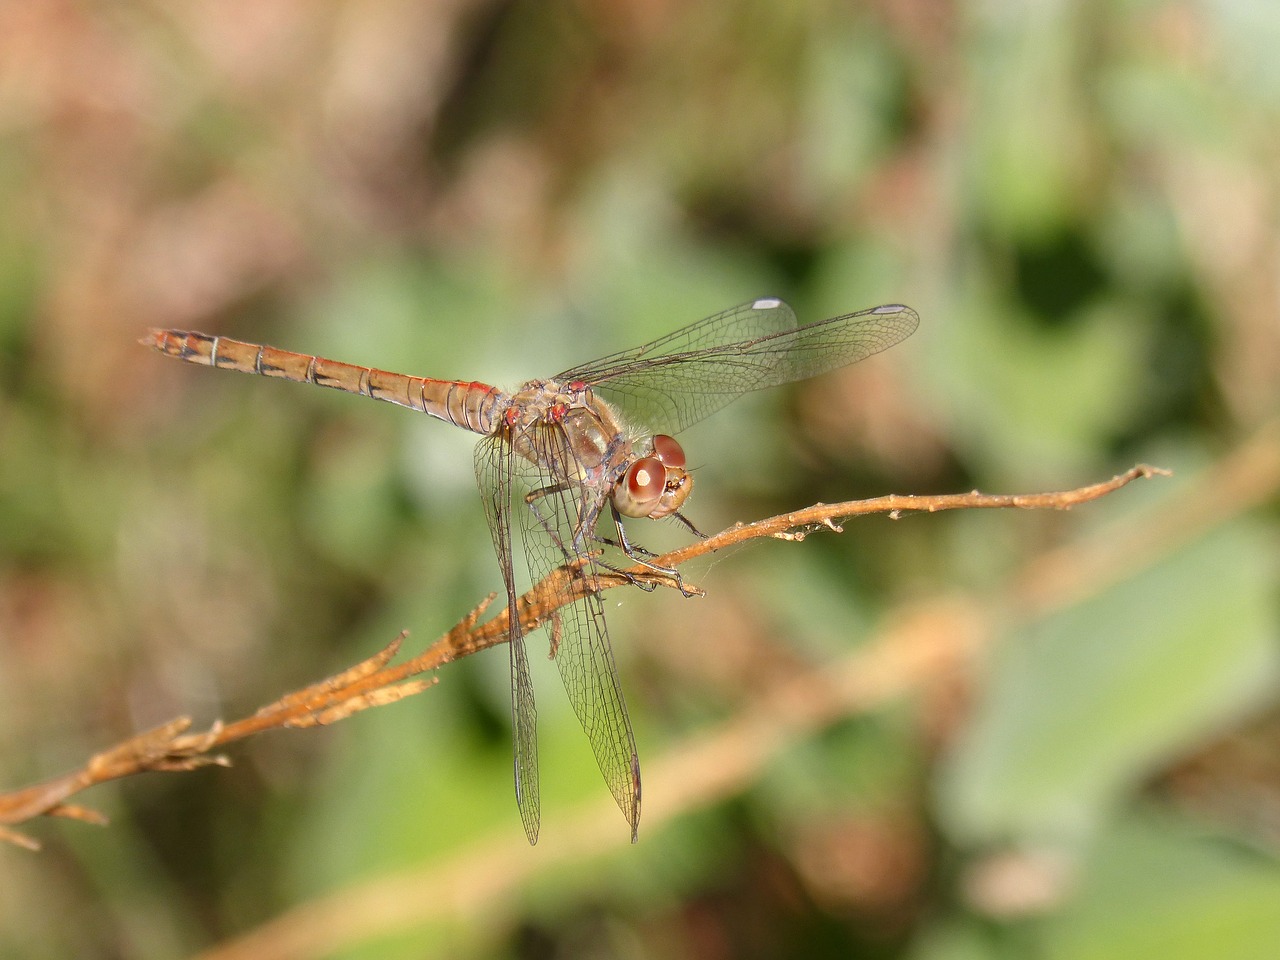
column 633, row 551
column 532, row 499
column 644, row 557
column 629, row 548
column 689, row 524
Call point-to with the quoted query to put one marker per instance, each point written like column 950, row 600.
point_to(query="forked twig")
column 376, row 681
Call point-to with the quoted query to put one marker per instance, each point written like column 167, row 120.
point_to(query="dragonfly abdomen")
column 471, row 405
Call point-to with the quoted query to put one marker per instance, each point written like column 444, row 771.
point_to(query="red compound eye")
column 641, row 488
column 668, row 450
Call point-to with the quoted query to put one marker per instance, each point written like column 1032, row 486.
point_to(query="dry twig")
column 375, row 682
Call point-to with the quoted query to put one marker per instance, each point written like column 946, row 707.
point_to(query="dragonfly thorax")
column 579, row 437
column 569, row 431
column 545, row 402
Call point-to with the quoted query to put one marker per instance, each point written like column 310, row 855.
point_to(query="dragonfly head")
column 656, row 485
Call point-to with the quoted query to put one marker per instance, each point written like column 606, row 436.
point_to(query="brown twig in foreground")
column 375, row 682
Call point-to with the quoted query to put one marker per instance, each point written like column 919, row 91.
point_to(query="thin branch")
column 376, row 682
column 916, row 645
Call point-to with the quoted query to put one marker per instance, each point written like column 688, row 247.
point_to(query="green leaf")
column 1156, row 890
column 1088, row 702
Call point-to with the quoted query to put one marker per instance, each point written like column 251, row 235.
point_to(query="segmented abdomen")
column 474, row 406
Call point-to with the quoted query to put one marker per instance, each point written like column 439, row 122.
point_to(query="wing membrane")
column 677, row 380
column 494, row 462
column 559, row 514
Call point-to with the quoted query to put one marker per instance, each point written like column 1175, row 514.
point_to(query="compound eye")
column 641, row 487
column 668, row 450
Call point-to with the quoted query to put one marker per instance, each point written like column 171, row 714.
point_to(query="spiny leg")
column 532, row 498
column 644, row 557
column 689, row 525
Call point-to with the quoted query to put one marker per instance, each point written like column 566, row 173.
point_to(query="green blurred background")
column 1080, row 199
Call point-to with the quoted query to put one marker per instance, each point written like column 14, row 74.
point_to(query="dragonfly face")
column 654, row 486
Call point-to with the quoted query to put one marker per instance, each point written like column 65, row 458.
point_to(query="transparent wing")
column 677, row 380
column 494, row 462
column 557, row 514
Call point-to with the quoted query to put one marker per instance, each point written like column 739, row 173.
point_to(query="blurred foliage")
column 1079, row 199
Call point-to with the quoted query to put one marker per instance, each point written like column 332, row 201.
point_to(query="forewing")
column 555, row 512
column 676, row 380
column 494, row 461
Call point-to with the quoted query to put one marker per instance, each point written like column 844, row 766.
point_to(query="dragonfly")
column 558, row 455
